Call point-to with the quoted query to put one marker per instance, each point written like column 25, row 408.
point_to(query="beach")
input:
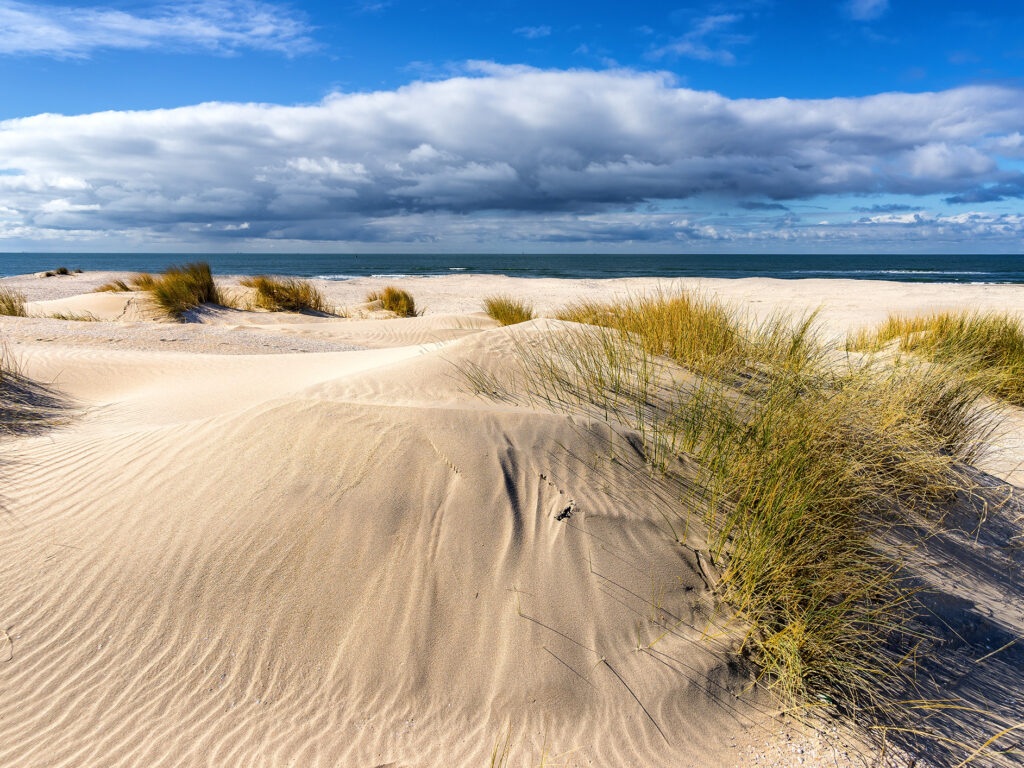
column 268, row 538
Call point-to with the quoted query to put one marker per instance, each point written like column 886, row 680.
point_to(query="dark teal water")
column 917, row 268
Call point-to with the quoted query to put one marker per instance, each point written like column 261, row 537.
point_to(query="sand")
column 264, row 540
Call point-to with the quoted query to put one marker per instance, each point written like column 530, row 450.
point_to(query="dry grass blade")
column 12, row 302
column 394, row 300
column 26, row 406
column 114, row 286
column 508, row 310
column 286, row 294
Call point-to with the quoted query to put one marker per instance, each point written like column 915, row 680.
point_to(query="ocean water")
column 916, row 268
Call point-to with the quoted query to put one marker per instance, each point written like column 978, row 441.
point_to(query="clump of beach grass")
column 796, row 457
column 81, row 317
column 176, row 291
column 25, row 405
column 508, row 310
column 181, row 288
column 394, row 300
column 114, row 286
column 12, row 302
column 286, row 294
column 988, row 345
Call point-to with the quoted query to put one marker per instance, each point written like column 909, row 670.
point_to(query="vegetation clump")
column 796, row 457
column 114, row 286
column 394, row 300
column 25, row 405
column 508, row 310
column 286, row 294
column 12, row 302
column 181, row 288
column 988, row 345
column 176, row 291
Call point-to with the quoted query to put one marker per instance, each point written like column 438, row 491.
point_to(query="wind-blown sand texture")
column 344, row 558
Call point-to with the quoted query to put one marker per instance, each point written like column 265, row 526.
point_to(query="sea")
column 904, row 268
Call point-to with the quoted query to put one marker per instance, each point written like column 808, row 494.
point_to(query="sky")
column 855, row 126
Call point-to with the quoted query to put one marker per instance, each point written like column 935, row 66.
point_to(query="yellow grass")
column 286, row 294
column 12, row 302
column 988, row 345
column 795, row 457
column 508, row 310
column 394, row 300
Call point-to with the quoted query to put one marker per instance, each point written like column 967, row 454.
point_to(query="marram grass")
column 989, row 345
column 12, row 302
column 286, row 294
column 176, row 291
column 394, row 300
column 508, row 310
column 796, row 457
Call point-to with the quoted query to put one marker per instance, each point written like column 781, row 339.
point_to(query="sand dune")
column 282, row 559
column 345, row 559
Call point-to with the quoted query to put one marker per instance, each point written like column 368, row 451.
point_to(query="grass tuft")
column 82, row 317
column 286, row 294
column 797, row 458
column 176, row 291
column 508, row 310
column 114, row 286
column 394, row 300
column 12, row 302
column 988, row 345
column 26, row 406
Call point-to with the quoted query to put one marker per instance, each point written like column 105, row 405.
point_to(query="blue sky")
column 858, row 125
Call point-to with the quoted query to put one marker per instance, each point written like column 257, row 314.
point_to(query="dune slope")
column 343, row 559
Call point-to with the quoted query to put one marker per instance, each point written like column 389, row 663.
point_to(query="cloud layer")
column 509, row 153
column 215, row 25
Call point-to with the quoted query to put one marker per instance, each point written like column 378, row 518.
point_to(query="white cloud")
column 866, row 10
column 512, row 153
column 214, row 25
column 532, row 33
column 695, row 43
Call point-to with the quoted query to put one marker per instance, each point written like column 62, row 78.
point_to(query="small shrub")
column 12, row 302
column 78, row 271
column 286, row 294
column 49, row 274
column 394, row 300
column 63, row 271
column 508, row 310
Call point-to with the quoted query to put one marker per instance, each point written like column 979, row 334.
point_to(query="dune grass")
column 12, row 302
column 114, row 286
column 394, row 300
column 795, row 457
column 176, row 291
column 989, row 345
column 81, row 317
column 26, row 406
column 286, row 294
column 508, row 310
